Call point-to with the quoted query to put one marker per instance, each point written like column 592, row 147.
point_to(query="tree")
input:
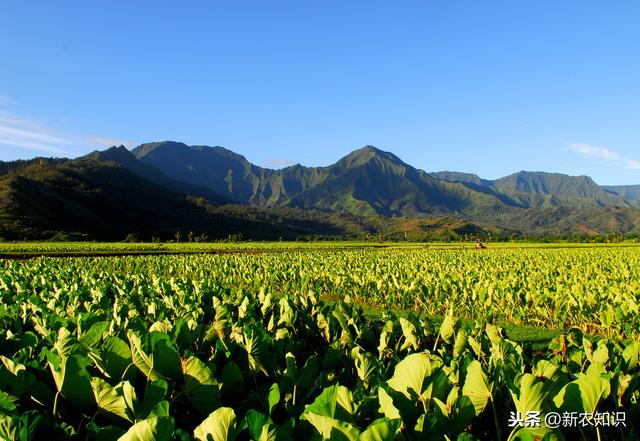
column 131, row 238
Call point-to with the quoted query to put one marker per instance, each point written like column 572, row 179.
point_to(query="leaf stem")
column 55, row 404
column 495, row 417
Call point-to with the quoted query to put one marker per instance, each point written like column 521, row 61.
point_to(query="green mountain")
column 630, row 193
column 227, row 173
column 370, row 181
column 555, row 189
column 122, row 156
column 540, row 189
column 367, row 181
column 467, row 178
column 161, row 188
column 102, row 200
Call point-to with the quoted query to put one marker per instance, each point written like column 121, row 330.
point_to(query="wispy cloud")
column 591, row 151
column 99, row 141
column 21, row 132
column 280, row 162
column 27, row 134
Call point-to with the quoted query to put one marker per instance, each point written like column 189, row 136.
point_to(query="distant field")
column 59, row 248
column 550, row 285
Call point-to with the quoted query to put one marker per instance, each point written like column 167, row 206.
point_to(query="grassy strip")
column 74, row 248
column 534, row 338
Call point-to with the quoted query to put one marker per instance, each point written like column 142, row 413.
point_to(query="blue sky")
column 488, row 87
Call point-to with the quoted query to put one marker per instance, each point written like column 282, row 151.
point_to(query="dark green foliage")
column 171, row 191
column 85, row 199
column 371, row 182
column 120, row 155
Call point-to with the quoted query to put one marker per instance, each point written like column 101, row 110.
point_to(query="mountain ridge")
column 235, row 177
column 367, row 188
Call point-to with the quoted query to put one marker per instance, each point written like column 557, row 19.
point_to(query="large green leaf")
column 387, row 408
column 583, row 394
column 530, row 396
column 141, row 359
column 18, row 428
column 218, row 426
column 110, row 399
column 366, row 366
column 151, row 429
column 335, row 402
column 448, row 329
column 461, row 342
column 257, row 343
column 158, row 359
column 273, row 397
column 477, row 386
column 201, row 386
column 631, row 354
column 260, row 426
column 72, row 379
column 65, row 344
column 94, row 335
column 331, row 414
column 382, row 429
column 305, row 377
column 116, row 358
column 232, row 381
column 7, row 404
column 16, row 380
column 409, row 333
column 455, row 415
column 166, row 358
column 154, row 396
column 332, row 429
column 411, row 376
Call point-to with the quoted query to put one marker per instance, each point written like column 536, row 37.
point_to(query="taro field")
column 408, row 343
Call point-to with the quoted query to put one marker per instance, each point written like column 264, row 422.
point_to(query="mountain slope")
column 122, row 156
column 541, row 189
column 160, row 188
column 467, row 178
column 556, row 189
column 630, row 193
column 366, row 181
column 101, row 200
column 370, row 181
column 227, row 173
column 562, row 221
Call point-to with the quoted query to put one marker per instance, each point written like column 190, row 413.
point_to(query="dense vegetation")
column 593, row 289
column 34, row 249
column 369, row 181
column 276, row 346
column 85, row 199
column 163, row 189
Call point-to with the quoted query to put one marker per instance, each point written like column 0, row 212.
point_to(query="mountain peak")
column 164, row 146
column 370, row 148
column 366, row 154
column 118, row 154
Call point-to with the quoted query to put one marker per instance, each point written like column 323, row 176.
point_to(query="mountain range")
column 163, row 187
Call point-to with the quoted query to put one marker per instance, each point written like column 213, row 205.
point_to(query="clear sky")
column 489, row 87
